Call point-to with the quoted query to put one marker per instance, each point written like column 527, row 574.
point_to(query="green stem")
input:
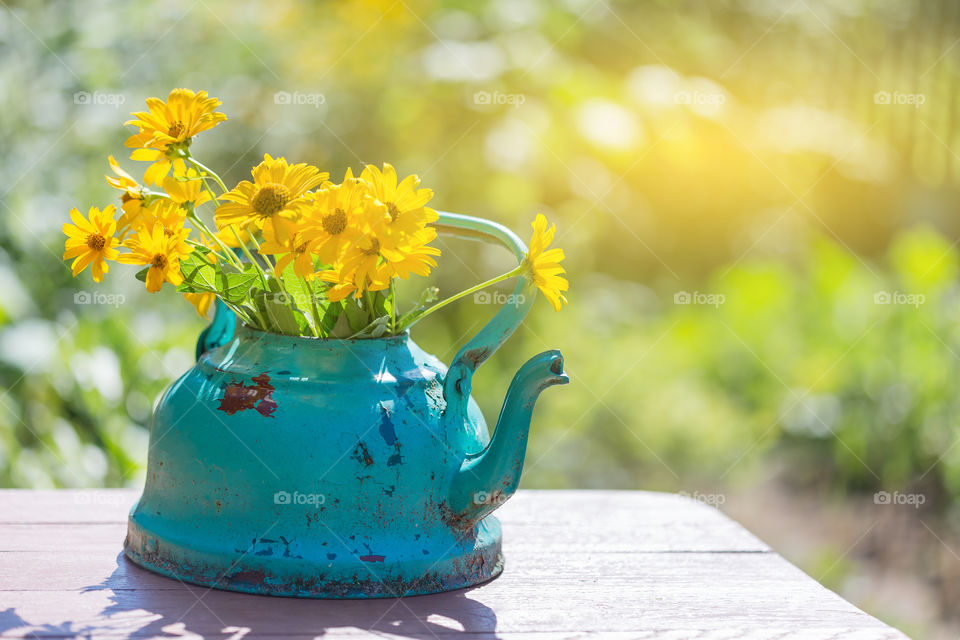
column 240, row 311
column 371, row 312
column 211, row 172
column 313, row 304
column 266, row 257
column 203, row 246
column 243, row 247
column 393, row 306
column 417, row 318
column 246, row 315
column 195, row 219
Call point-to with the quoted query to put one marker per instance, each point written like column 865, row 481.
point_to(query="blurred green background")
column 757, row 200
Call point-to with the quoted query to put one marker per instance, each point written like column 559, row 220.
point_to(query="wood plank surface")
column 578, row 564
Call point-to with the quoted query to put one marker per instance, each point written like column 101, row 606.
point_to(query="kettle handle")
column 220, row 331
column 456, row 388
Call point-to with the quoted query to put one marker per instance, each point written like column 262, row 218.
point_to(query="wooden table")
column 578, row 564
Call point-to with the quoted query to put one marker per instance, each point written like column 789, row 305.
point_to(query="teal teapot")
column 328, row 468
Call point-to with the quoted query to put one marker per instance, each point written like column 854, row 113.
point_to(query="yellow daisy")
column 163, row 162
column 186, row 189
column 295, row 248
column 170, row 216
column 275, row 198
column 344, row 280
column 91, row 240
column 544, row 264
column 342, row 283
column 404, row 202
column 201, row 301
column 168, row 128
column 133, row 194
column 228, row 238
column 364, row 265
column 336, row 216
column 162, row 253
column 416, row 258
column 176, row 121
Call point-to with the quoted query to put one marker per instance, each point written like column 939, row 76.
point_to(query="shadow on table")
column 148, row 605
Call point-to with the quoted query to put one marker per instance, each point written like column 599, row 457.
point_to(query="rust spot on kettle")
column 250, row 576
column 372, row 558
column 360, row 454
column 477, row 356
column 237, row 397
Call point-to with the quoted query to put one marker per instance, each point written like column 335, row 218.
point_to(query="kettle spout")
column 486, row 479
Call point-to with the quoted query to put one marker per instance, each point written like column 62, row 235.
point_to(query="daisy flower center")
column 334, row 223
column 270, row 199
column 159, row 261
column 176, row 129
column 373, row 249
column 393, row 210
column 96, row 241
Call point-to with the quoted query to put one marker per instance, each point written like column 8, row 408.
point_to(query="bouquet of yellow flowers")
column 292, row 251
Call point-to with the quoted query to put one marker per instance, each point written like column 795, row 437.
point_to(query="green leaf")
column 275, row 307
column 142, row 274
column 428, row 296
column 330, row 317
column 225, row 280
column 300, row 294
column 355, row 315
column 198, row 275
column 380, row 326
column 341, row 327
